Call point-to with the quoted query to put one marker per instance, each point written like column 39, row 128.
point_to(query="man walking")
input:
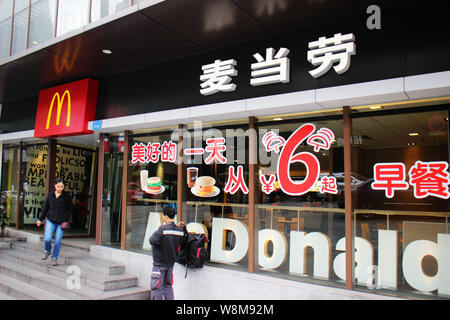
column 165, row 242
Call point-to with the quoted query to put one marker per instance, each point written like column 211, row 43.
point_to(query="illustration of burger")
column 154, row 184
column 204, row 186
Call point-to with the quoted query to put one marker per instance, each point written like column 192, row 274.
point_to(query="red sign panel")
column 66, row 110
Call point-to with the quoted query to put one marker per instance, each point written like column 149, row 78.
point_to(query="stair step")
column 66, row 251
column 5, row 297
column 60, row 287
column 88, row 276
column 23, row 291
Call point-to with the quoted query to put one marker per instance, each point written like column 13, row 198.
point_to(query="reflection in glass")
column 104, row 8
column 5, row 37
column 72, row 14
column 20, row 29
column 42, row 21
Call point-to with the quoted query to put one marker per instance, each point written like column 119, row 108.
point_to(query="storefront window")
column 300, row 201
column 152, row 183
column 216, row 187
column 112, row 191
column 402, row 207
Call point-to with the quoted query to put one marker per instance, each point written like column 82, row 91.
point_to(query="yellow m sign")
column 60, row 101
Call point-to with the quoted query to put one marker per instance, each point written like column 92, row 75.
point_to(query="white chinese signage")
column 275, row 66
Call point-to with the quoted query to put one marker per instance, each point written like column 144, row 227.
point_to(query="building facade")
column 285, row 131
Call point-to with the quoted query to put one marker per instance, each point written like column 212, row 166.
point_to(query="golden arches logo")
column 60, row 101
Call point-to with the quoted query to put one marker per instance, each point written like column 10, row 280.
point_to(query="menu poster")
column 71, row 165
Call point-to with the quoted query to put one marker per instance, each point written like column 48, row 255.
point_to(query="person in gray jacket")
column 166, row 242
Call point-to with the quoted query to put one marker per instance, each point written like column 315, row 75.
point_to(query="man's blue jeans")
column 49, row 230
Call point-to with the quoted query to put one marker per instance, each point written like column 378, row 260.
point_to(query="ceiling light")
column 413, row 134
column 375, row 107
column 277, row 119
column 106, row 51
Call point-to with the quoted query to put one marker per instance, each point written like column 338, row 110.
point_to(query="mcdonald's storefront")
column 282, row 169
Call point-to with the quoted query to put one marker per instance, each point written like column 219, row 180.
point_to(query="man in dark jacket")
column 165, row 242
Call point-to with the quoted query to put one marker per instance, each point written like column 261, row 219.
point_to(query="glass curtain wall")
column 20, row 25
column 33, row 25
column 6, row 7
column 42, row 21
column 112, row 191
column 104, row 8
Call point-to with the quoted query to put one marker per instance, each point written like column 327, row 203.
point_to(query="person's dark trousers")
column 161, row 283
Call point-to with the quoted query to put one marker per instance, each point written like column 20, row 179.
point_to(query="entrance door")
column 77, row 166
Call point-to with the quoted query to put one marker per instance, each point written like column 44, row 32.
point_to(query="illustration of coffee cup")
column 204, row 186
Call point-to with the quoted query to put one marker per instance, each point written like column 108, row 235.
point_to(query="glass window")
column 402, row 209
column 9, row 187
column 5, row 37
column 300, row 201
column 72, row 14
column 5, row 27
column 112, row 191
column 152, row 183
column 6, row 7
column 216, row 190
column 42, row 21
column 104, row 8
column 20, row 26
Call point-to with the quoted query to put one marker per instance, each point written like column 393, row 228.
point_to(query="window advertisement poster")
column 73, row 165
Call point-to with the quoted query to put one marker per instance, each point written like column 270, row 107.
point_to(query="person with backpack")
column 165, row 242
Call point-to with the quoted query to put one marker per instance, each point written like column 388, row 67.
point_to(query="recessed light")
column 277, row 119
column 413, row 134
column 106, row 51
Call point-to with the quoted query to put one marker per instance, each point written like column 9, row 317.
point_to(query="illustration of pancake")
column 204, row 186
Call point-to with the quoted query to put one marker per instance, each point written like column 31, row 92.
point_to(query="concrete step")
column 19, row 290
column 66, row 251
column 61, row 287
column 88, row 276
column 79, row 257
column 5, row 297
column 104, row 267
